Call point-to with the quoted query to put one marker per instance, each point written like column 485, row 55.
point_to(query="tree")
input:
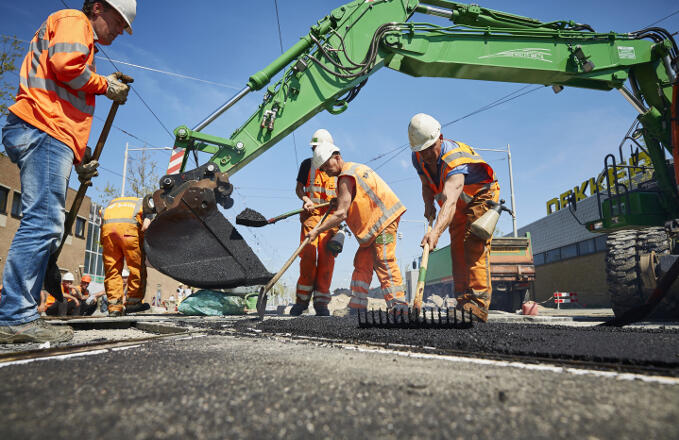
column 142, row 179
column 10, row 51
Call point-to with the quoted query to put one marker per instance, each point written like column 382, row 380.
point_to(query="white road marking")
column 60, row 357
column 535, row 367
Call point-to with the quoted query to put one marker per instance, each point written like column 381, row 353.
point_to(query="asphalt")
column 313, row 377
column 217, row 387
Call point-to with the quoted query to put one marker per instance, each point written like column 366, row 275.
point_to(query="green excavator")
column 191, row 241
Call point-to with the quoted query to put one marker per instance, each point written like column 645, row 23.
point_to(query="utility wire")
column 280, row 41
column 664, row 18
column 504, row 99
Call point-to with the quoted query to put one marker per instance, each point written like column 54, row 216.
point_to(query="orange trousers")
column 378, row 256
column 316, row 265
column 470, row 254
column 123, row 242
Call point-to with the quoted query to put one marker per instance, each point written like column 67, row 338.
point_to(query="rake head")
column 415, row 318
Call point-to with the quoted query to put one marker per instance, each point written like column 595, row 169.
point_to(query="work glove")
column 117, row 90
column 87, row 169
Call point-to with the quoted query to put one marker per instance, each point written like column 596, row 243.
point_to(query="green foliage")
column 10, row 52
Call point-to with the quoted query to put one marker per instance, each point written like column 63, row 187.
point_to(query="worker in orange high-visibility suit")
column 454, row 175
column 46, row 133
column 122, row 240
column 372, row 212
column 317, row 262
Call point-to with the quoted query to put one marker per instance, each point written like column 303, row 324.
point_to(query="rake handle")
column 285, row 267
column 419, row 290
column 296, row 211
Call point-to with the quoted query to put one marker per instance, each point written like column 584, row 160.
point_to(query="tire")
column 622, row 270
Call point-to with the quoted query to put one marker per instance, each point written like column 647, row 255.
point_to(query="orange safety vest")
column 375, row 206
column 58, row 81
column 123, row 210
column 459, row 154
column 320, row 187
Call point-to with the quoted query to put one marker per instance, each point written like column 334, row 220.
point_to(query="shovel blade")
column 202, row 250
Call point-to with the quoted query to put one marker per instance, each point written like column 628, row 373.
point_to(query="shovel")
column 419, row 291
column 250, row 217
column 261, row 300
column 52, row 275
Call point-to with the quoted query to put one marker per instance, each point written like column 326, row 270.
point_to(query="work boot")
column 322, row 310
column 115, row 313
column 34, row 331
column 298, row 309
column 477, row 311
column 136, row 308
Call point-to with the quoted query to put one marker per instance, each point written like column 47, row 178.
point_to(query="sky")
column 210, row 49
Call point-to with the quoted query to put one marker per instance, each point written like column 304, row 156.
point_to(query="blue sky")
column 557, row 141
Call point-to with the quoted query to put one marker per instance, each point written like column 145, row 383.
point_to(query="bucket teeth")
column 434, row 318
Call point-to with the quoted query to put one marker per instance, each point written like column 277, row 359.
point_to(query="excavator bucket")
column 192, row 242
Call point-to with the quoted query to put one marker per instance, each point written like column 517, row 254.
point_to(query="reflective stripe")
column 80, row 80
column 378, row 225
column 391, row 289
column 359, row 302
column 304, row 288
column 119, row 220
column 67, row 48
column 359, row 295
column 359, row 284
column 467, row 198
column 50, row 85
column 386, row 213
column 303, row 296
column 451, row 156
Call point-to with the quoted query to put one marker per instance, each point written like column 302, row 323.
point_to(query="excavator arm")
column 327, row 68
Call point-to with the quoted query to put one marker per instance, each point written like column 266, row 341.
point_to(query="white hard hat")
column 321, row 135
column 127, row 9
column 423, row 131
column 68, row 276
column 322, row 153
column 126, row 273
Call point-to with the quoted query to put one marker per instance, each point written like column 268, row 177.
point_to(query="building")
column 569, row 258
column 81, row 253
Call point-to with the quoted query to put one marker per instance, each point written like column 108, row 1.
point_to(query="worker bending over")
column 372, row 212
column 317, row 262
column 122, row 241
column 46, row 133
column 461, row 183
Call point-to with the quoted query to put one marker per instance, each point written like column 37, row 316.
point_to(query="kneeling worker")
column 372, row 211
column 122, row 240
column 461, row 182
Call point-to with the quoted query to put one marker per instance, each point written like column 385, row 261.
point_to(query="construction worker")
column 69, row 306
column 317, row 262
column 122, row 241
column 88, row 301
column 46, row 133
column 458, row 179
column 372, row 212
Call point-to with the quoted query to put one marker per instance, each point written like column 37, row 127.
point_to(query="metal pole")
column 511, row 189
column 222, row 109
column 122, row 187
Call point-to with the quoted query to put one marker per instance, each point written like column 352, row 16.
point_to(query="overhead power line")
column 663, row 19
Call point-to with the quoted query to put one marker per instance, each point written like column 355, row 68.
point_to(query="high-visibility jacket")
column 123, row 210
column 58, row 81
column 320, row 187
column 375, row 206
column 456, row 154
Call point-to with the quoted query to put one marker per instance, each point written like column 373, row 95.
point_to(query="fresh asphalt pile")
column 624, row 347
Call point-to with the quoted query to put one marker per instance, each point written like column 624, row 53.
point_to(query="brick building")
column 81, row 253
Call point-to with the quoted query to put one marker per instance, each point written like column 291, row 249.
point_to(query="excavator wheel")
column 626, row 267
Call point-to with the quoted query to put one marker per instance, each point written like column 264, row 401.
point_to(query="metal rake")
column 416, row 318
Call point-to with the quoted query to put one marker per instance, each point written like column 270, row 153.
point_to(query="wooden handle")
column 287, row 264
column 296, row 211
column 419, row 291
